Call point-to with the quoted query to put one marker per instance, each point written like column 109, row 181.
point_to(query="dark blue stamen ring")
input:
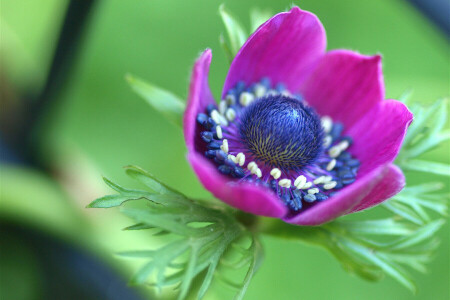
column 265, row 135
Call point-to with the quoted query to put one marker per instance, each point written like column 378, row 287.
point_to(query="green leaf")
column 427, row 167
column 150, row 181
column 376, row 227
column 161, row 100
column 202, row 235
column 236, row 33
column 258, row 17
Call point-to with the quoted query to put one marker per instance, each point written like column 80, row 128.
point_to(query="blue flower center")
column 282, row 132
column 263, row 134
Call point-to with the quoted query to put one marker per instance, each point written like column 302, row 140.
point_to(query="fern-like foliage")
column 202, row 235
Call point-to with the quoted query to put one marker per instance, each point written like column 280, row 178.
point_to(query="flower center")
column 281, row 132
column 265, row 135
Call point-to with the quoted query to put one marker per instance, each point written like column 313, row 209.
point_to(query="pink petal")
column 377, row 137
column 344, row 201
column 285, row 49
column 244, row 196
column 392, row 183
column 345, row 85
column 199, row 97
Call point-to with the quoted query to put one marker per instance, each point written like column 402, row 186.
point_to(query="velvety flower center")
column 281, row 132
column 265, row 135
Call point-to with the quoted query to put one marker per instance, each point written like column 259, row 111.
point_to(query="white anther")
column 327, row 179
column 286, row 183
column 219, row 132
column 232, row 158
column 258, row 173
column 230, row 114
column 327, row 141
column 215, row 116
column 319, row 180
column 260, row 90
column 272, row 92
column 330, row 185
column 246, row 98
column 231, row 99
column 286, row 93
column 307, row 185
column 240, row 158
column 252, row 165
column 224, row 146
column 223, row 107
column 300, row 181
column 327, row 123
column 334, row 151
column 222, row 120
column 313, row 191
column 343, row 145
column 331, row 164
column 276, row 173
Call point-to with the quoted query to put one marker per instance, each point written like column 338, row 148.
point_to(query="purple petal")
column 199, row 97
column 345, row 85
column 244, row 196
column 343, row 202
column 285, row 49
column 249, row 198
column 377, row 137
column 392, row 183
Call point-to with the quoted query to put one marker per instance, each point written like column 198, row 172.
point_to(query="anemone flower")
column 300, row 134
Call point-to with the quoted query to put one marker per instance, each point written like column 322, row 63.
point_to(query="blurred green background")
column 97, row 125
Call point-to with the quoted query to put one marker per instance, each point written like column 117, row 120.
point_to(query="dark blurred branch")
column 23, row 141
column 438, row 11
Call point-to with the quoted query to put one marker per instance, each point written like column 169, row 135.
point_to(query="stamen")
column 219, row 132
column 222, row 107
column 331, row 164
column 327, row 123
column 309, row 198
column 286, row 183
column 319, row 180
column 313, row 191
column 230, row 114
column 307, row 185
column 252, row 165
column 276, row 173
column 232, row 158
column 224, row 146
column 327, row 141
column 334, row 151
column 286, row 135
column 300, row 182
column 330, row 185
column 215, row 116
column 259, row 90
column 231, row 99
column 246, row 98
column 240, row 158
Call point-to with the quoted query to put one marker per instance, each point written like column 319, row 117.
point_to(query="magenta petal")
column 199, row 97
column 285, row 49
column 377, row 137
column 247, row 197
column 345, row 85
column 392, row 183
column 343, row 202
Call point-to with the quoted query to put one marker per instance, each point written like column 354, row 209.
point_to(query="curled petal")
column 244, row 196
column 285, row 49
column 199, row 97
column 378, row 136
column 392, row 183
column 345, row 85
column 344, row 201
